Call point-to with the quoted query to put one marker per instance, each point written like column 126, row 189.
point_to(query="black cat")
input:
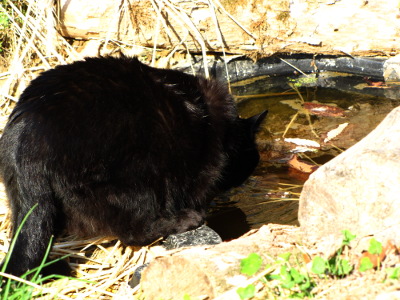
column 110, row 146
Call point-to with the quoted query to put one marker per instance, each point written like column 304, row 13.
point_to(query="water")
column 271, row 193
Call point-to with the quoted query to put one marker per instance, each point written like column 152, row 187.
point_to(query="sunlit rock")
column 358, row 190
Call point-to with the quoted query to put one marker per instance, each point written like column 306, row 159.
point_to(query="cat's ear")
column 256, row 120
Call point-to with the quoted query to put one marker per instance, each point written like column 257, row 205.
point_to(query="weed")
column 246, row 292
column 290, row 281
column 375, row 250
column 21, row 288
column 250, row 265
column 393, row 273
column 287, row 278
column 335, row 266
column 365, row 264
column 4, row 25
column 304, row 81
column 348, row 237
column 285, row 281
column 375, row 247
column 186, row 297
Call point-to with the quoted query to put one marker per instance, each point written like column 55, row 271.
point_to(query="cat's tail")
column 28, row 192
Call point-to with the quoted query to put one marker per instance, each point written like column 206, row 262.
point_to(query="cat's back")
column 112, row 107
column 108, row 93
column 88, row 86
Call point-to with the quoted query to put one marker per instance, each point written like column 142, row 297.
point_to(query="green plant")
column 393, row 273
column 22, row 288
column 375, row 249
column 285, row 281
column 291, row 282
column 365, row 264
column 336, row 266
column 348, row 237
column 246, row 292
column 4, row 24
column 250, row 265
column 303, row 81
column 4, row 21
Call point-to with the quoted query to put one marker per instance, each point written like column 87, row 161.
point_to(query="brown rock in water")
column 359, row 190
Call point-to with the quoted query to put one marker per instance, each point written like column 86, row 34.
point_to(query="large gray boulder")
column 359, row 190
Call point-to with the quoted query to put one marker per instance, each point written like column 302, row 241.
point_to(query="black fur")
column 110, row 146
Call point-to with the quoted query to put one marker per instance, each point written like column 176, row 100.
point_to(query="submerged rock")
column 359, row 190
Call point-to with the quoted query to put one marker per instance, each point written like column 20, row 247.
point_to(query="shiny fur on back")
column 110, row 146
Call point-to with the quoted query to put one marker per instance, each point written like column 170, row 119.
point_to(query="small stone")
column 391, row 69
column 137, row 275
column 203, row 235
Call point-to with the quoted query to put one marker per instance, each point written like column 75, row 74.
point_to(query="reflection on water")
column 270, row 195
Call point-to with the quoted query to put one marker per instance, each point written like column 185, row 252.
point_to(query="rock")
column 394, row 295
column 207, row 272
column 137, row 275
column 391, row 69
column 335, row 28
column 359, row 190
column 203, row 235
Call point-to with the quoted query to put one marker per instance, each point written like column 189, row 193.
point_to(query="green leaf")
column 365, row 264
column 186, row 297
column 344, row 267
column 285, row 256
column 375, row 247
column 318, row 265
column 393, row 273
column 247, row 292
column 4, row 21
column 306, row 285
column 270, row 277
column 285, row 275
column 348, row 237
column 297, row 277
column 251, row 264
column 286, row 278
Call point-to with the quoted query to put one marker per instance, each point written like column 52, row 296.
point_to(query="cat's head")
column 243, row 158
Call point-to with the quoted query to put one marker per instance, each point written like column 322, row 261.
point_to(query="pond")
column 333, row 110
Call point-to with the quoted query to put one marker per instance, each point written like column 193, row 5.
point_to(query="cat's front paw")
column 189, row 219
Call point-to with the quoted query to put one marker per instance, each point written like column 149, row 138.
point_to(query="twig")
column 221, row 40
column 199, row 38
column 156, row 33
column 234, row 20
column 294, row 67
column 305, row 111
column 290, row 124
column 264, row 95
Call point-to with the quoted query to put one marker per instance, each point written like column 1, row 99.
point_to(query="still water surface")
column 271, row 193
